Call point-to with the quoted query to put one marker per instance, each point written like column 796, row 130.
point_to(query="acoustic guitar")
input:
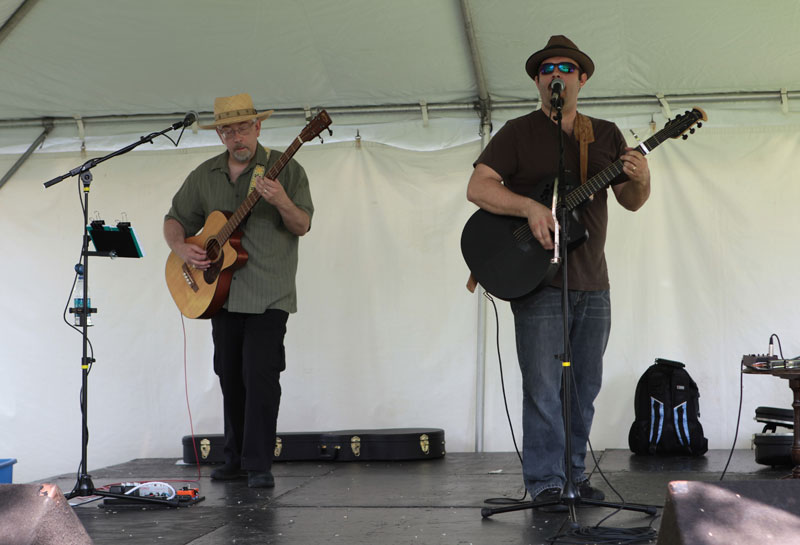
column 201, row 293
column 501, row 252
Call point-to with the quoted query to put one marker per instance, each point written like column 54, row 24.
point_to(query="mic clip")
column 190, row 118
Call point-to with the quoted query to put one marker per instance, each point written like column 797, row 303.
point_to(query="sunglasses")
column 563, row 67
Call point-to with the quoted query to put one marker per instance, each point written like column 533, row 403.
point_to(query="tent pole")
column 48, row 126
column 11, row 23
column 480, row 346
column 780, row 98
column 485, row 109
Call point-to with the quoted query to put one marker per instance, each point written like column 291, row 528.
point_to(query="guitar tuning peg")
column 691, row 130
column 685, row 136
column 699, row 124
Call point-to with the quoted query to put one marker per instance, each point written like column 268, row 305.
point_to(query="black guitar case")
column 385, row 444
column 334, row 446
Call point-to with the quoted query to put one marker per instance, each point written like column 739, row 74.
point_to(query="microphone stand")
column 570, row 496
column 90, row 164
column 84, row 486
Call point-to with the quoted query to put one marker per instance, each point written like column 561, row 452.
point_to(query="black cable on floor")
column 600, row 536
column 504, row 501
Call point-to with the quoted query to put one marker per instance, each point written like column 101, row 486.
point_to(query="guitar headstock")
column 682, row 124
column 319, row 123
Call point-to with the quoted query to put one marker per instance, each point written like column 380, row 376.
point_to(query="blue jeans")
column 540, row 342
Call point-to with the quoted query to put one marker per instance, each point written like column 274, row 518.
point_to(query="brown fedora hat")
column 559, row 46
column 235, row 109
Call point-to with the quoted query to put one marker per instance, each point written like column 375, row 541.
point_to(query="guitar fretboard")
column 602, row 179
column 247, row 205
column 579, row 195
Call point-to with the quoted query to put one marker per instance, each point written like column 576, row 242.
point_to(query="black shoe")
column 588, row 492
column 227, row 472
column 551, row 495
column 260, row 479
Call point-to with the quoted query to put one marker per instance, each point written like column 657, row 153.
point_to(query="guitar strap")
column 260, row 170
column 585, row 135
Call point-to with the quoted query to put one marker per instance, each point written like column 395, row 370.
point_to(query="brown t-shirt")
column 525, row 151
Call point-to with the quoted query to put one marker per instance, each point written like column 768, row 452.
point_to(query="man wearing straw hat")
column 248, row 331
column 521, row 154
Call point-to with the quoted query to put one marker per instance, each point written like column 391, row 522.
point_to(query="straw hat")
column 235, row 109
column 559, row 46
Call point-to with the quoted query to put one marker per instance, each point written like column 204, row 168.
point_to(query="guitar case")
column 335, row 446
column 774, row 448
column 384, row 444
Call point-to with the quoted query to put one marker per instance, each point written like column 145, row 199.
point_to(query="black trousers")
column 248, row 359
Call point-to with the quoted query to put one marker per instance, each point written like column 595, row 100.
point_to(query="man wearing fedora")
column 522, row 153
column 248, row 331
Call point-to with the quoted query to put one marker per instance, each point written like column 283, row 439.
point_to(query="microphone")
column 556, row 88
column 190, row 118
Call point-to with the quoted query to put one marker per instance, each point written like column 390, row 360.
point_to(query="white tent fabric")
column 87, row 58
column 386, row 333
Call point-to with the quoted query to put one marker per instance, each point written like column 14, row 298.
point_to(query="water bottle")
column 77, row 301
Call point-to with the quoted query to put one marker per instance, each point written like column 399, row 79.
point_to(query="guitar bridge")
column 187, row 275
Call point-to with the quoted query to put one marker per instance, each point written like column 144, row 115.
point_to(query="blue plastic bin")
column 6, row 469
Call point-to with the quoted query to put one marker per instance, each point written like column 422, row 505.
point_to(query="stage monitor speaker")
column 38, row 514
column 731, row 513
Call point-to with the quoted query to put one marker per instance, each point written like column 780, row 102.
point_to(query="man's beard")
column 242, row 155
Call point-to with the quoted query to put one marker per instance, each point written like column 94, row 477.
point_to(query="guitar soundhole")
column 211, row 274
column 214, row 254
column 212, row 249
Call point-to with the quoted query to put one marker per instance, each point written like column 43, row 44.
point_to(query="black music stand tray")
column 119, row 241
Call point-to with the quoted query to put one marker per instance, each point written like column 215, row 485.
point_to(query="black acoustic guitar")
column 501, row 252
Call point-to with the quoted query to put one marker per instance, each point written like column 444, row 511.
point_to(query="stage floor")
column 386, row 503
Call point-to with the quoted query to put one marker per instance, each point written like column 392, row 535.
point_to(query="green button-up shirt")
column 267, row 280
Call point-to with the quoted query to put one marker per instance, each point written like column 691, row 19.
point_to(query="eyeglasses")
column 563, row 67
column 243, row 130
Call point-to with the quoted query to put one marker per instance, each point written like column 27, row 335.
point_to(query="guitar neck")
column 602, row 179
column 247, row 205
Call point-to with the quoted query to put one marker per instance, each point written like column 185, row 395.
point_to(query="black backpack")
column 667, row 409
